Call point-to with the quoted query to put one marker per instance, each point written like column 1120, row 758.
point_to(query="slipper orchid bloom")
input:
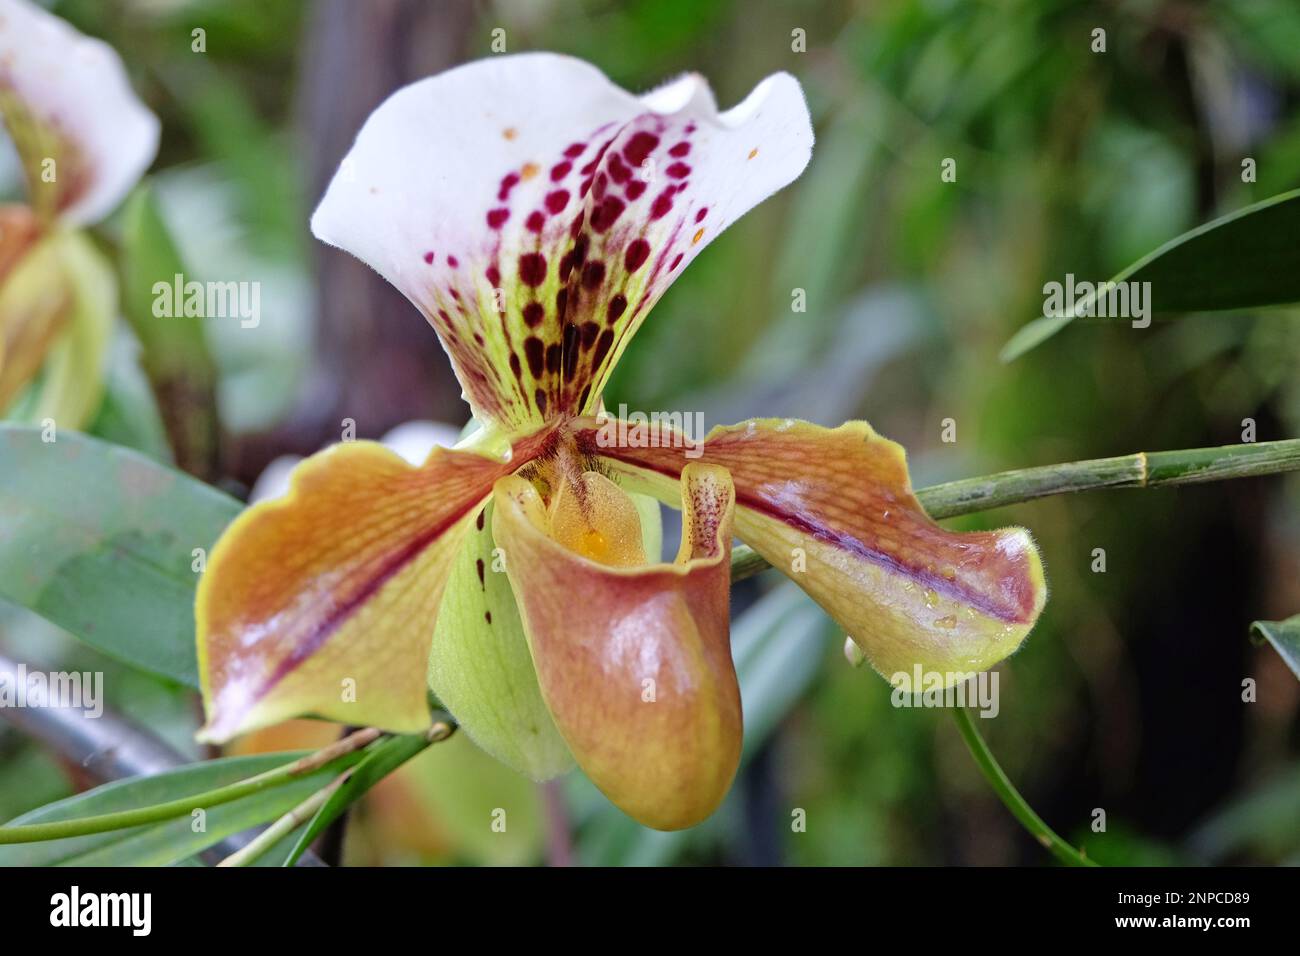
column 534, row 212
column 83, row 140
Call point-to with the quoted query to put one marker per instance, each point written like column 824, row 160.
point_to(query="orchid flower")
column 534, row 212
column 83, row 140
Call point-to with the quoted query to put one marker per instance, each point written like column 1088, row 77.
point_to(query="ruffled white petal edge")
column 528, row 206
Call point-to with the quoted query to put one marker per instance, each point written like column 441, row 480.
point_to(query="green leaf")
column 278, row 854
column 1285, row 638
column 379, row 762
column 161, row 844
column 1244, row 260
column 1259, row 823
column 100, row 540
column 176, row 356
column 128, row 414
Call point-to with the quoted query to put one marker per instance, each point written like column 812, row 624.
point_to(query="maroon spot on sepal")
column 593, row 274
column 496, row 218
column 573, row 259
column 680, row 150
column 589, row 332
column 453, row 261
column 607, row 213
column 539, row 399
column 478, row 566
column 639, row 147
column 487, row 616
column 493, row 275
column 534, row 352
column 676, row 262
column 575, row 150
column 535, row 221
column 678, row 170
column 617, row 306
column 637, row 253
column 428, row 258
column 561, row 303
column 598, row 189
column 602, row 347
column 533, row 314
column 560, row 170
column 507, row 183
column 635, row 188
column 704, row 211
column 532, row 268
column 553, row 355
column 618, row 170
column 570, row 351
column 519, row 374
column 478, row 522
column 556, row 201
column 662, row 205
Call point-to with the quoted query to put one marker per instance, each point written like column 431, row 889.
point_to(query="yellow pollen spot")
column 753, row 152
column 699, row 234
column 529, row 171
column 598, row 521
column 510, row 132
column 593, row 545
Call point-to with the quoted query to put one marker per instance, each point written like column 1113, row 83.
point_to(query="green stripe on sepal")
column 480, row 667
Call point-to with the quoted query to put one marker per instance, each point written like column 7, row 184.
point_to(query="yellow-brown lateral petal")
column 635, row 662
column 325, row 601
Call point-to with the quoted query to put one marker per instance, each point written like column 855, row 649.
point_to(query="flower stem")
column 1139, row 470
column 343, row 751
column 259, row 845
column 1010, row 796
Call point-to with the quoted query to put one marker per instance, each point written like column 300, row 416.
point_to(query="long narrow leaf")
column 170, row 841
column 1244, row 260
